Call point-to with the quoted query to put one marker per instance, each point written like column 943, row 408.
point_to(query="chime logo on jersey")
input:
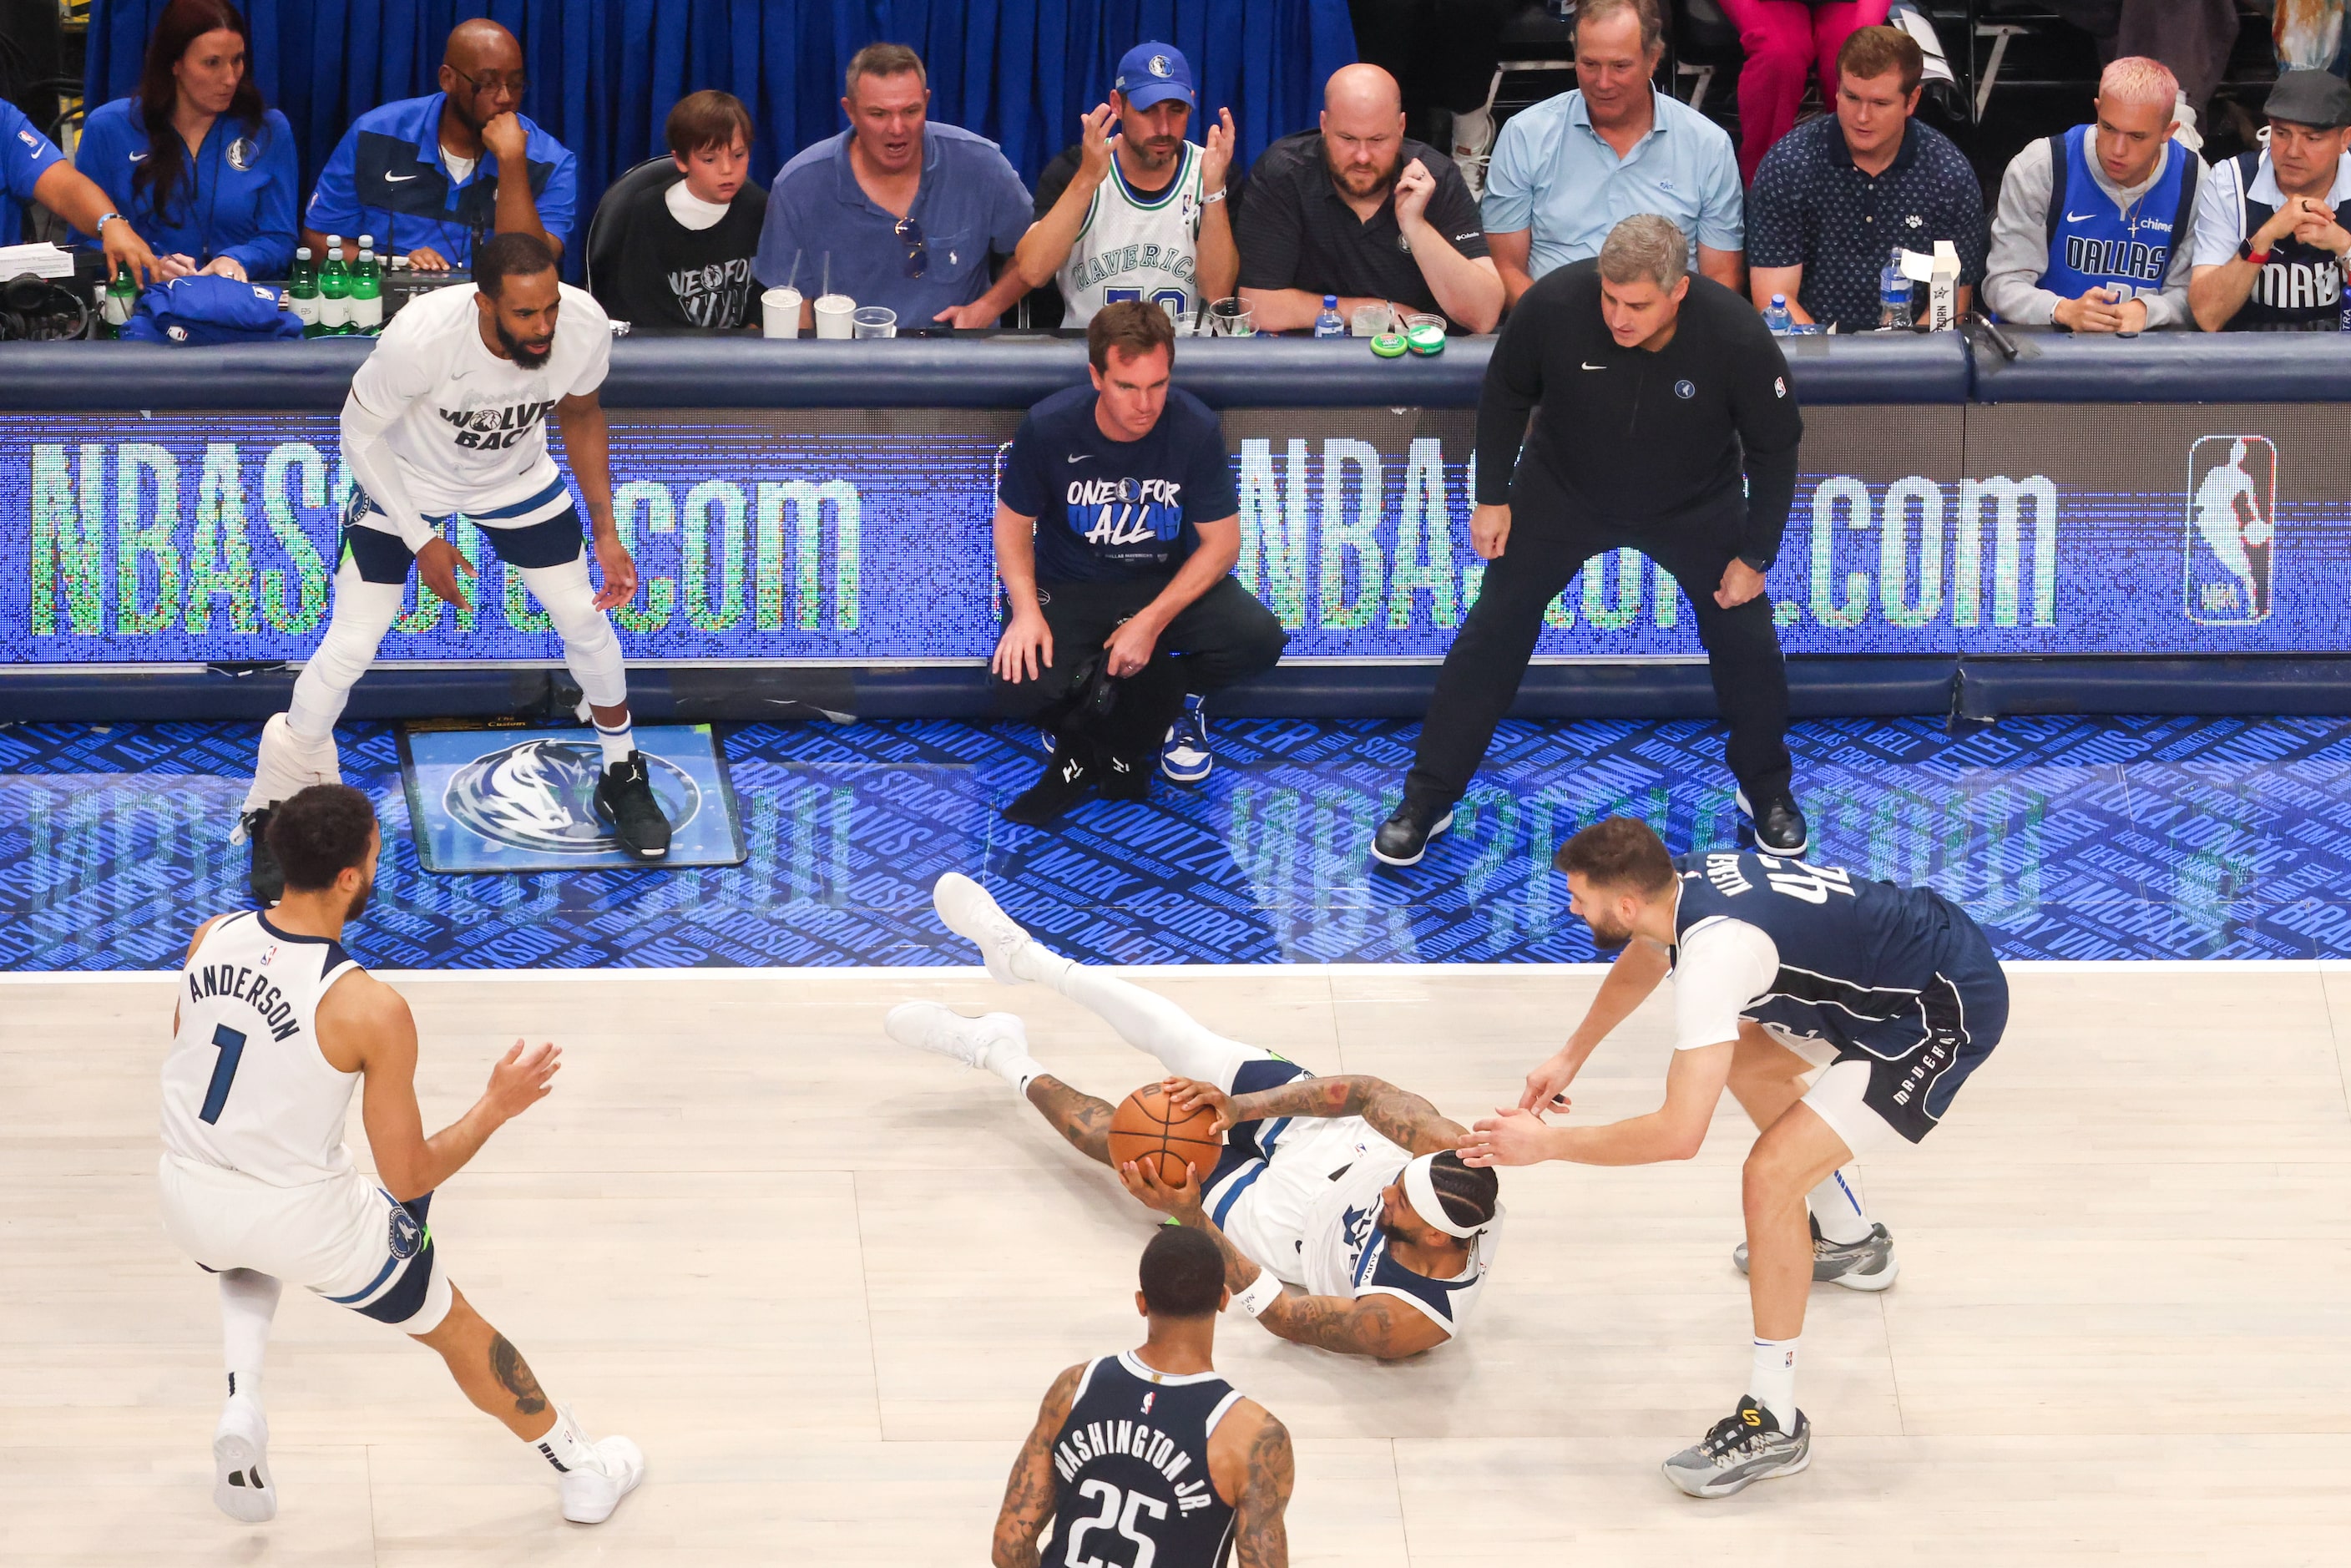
column 2231, row 541
column 489, row 429
column 540, row 795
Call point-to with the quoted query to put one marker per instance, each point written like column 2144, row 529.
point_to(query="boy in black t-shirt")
column 1116, row 531
column 686, row 248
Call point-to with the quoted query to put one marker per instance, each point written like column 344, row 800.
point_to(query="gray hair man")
column 1663, row 422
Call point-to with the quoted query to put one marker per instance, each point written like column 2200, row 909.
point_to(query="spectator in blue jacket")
column 424, row 175
column 193, row 159
column 33, row 170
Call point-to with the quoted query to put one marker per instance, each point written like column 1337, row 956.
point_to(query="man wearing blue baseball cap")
column 1135, row 211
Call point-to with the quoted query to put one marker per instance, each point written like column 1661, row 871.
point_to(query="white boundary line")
column 1156, row 971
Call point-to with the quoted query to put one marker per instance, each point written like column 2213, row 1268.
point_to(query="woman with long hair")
column 193, row 158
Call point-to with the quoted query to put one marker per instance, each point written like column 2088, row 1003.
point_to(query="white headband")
column 1420, row 1191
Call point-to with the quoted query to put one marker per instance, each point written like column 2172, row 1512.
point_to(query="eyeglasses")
column 918, row 255
column 489, row 82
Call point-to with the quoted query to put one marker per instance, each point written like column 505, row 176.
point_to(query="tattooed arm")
column 1373, row 1325
column 1029, row 1494
column 1403, row 1118
column 1249, row 1460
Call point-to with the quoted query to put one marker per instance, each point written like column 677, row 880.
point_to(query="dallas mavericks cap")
column 2317, row 98
column 1153, row 73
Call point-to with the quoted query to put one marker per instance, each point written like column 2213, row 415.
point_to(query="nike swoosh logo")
column 1590, row 366
column 1081, row 456
column 2079, row 217
column 139, row 157
column 398, row 178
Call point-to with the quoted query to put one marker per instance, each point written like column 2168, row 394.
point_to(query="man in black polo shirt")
column 1655, row 393
column 1835, row 195
column 1357, row 210
column 1116, row 531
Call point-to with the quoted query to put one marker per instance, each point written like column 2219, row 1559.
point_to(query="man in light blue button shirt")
column 1572, row 168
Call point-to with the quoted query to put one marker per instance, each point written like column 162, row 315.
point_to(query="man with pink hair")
column 2092, row 234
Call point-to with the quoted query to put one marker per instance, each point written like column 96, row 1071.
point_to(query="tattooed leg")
column 492, row 1372
column 1081, row 1118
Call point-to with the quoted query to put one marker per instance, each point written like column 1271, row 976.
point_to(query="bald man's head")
column 481, row 70
column 1362, row 129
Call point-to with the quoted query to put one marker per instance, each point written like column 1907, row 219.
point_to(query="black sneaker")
column 1779, row 828
column 1404, row 837
column 624, row 798
column 1068, row 779
column 1743, row 1448
column 263, row 874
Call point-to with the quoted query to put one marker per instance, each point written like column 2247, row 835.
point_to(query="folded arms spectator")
column 193, row 158
column 424, row 174
column 2093, row 229
column 1565, row 172
column 2270, row 250
column 909, row 212
column 686, row 248
column 1836, row 197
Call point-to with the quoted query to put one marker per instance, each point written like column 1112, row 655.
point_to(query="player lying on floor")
column 1345, row 1218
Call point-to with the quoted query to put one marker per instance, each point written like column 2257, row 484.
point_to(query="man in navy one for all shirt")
column 1834, row 197
column 1116, row 531
column 422, row 175
column 906, row 213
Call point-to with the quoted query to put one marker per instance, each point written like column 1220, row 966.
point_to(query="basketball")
column 1144, row 1127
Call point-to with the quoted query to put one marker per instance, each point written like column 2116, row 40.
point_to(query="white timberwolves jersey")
column 1342, row 1251
column 245, row 1086
column 1135, row 249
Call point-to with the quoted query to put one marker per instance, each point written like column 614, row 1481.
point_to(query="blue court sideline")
column 2176, row 838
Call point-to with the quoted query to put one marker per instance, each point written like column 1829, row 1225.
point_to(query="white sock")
column 1016, row 1068
column 248, row 1302
column 565, row 1445
column 617, row 742
column 1771, row 1383
column 1836, row 1204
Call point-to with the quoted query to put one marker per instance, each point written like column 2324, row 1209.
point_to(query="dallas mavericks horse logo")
column 540, row 795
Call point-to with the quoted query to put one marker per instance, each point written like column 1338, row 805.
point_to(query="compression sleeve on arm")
column 1513, row 385
column 378, row 471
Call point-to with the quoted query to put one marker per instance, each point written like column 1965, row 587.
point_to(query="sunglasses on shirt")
column 918, row 255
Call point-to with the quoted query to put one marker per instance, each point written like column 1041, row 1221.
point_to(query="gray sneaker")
column 1743, row 1448
column 1867, row 1264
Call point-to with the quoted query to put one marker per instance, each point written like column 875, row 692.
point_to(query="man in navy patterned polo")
column 1834, row 196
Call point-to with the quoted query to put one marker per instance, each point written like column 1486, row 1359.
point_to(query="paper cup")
column 833, row 314
column 780, row 313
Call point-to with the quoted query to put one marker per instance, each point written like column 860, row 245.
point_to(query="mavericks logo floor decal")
column 524, row 799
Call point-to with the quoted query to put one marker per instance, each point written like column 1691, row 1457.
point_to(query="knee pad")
column 590, row 650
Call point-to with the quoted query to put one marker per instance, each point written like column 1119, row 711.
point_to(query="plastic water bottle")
column 1894, row 294
column 302, row 291
column 122, row 299
column 334, row 291
column 367, row 290
column 1328, row 324
column 1777, row 318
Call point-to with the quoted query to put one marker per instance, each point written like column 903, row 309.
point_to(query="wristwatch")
column 2245, row 252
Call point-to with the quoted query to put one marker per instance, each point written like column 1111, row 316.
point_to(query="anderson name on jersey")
column 469, row 428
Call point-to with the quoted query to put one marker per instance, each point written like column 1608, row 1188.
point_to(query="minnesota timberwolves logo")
column 407, row 1235
column 540, row 795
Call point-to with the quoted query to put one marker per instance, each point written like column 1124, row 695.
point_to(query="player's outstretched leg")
column 999, row 1042
column 1146, row 1020
column 1848, row 1247
column 596, row 1476
column 242, row 1487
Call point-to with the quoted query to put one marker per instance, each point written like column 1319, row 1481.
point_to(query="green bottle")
column 122, row 299
column 334, row 292
column 302, row 291
column 367, row 290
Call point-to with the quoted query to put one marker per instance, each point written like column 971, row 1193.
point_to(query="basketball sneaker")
column 592, row 1493
column 1743, row 1448
column 241, row 1490
column 943, row 1031
column 624, row 798
column 970, row 912
column 1868, row 1264
column 1185, row 755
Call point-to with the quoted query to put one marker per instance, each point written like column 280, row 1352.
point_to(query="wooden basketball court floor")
column 823, row 1282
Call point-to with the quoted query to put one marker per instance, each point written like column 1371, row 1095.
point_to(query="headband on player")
column 1420, row 1190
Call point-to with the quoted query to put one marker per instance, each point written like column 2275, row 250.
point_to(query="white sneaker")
column 943, row 1031
column 287, row 766
column 241, row 1488
column 589, row 1496
column 967, row 909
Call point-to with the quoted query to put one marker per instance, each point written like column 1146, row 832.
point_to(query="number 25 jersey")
column 1131, row 1469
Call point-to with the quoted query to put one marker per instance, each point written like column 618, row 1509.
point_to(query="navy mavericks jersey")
column 1857, row 958
column 1132, row 1464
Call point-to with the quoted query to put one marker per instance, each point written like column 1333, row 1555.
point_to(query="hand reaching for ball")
column 1141, row 1177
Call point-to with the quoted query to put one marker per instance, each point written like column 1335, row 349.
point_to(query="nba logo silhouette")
column 2230, row 539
